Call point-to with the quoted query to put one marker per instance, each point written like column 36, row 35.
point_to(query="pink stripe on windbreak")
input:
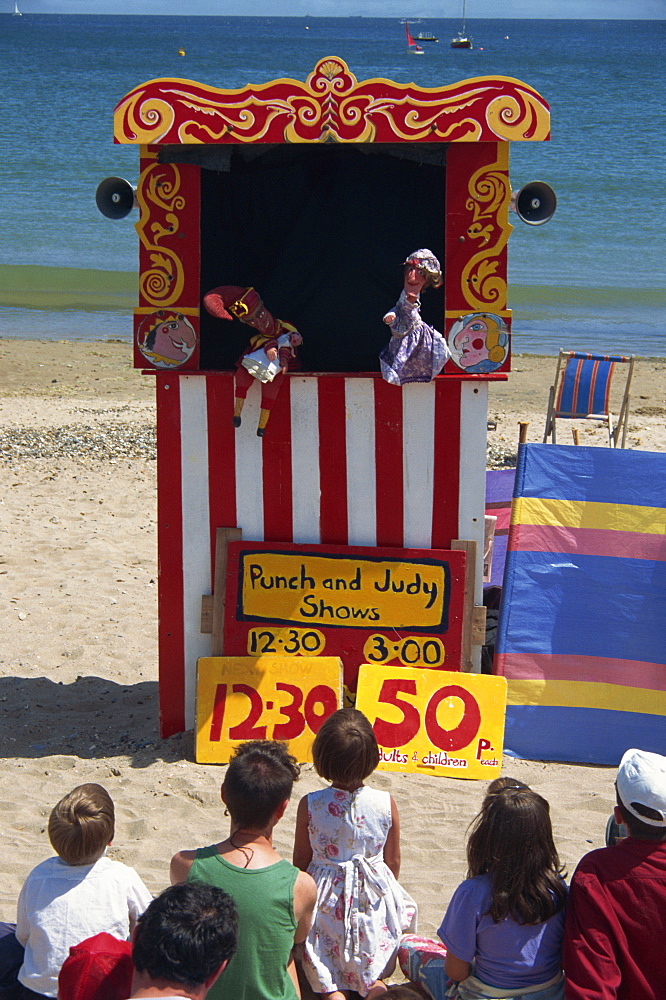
column 587, row 541
column 595, row 669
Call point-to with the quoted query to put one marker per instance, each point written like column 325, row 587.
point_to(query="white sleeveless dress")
column 362, row 911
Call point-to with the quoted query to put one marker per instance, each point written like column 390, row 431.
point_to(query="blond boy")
column 77, row 894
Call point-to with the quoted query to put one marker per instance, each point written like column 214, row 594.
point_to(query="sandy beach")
column 78, row 680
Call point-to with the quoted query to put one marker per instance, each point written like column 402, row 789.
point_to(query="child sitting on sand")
column 273, row 899
column 80, row 893
column 503, row 929
column 348, row 839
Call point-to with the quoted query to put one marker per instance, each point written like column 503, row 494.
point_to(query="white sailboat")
column 462, row 40
column 16, row 11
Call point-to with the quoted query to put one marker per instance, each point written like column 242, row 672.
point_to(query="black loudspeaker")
column 535, row 203
column 115, row 197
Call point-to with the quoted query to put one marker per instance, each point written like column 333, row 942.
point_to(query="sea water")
column 592, row 278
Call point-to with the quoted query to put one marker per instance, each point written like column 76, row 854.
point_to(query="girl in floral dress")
column 348, row 839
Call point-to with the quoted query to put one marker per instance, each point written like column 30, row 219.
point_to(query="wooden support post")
column 222, row 537
column 575, row 435
column 471, row 615
column 522, row 432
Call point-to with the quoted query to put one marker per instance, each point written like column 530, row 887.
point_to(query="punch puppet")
column 270, row 353
column 416, row 351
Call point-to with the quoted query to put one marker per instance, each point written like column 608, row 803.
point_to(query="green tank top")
column 264, row 899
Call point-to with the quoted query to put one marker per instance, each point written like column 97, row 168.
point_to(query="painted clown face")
column 479, row 342
column 471, row 342
column 166, row 339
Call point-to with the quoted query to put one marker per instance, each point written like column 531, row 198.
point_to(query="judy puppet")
column 416, row 351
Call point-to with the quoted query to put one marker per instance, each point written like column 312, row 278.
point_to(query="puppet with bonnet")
column 269, row 354
column 416, row 351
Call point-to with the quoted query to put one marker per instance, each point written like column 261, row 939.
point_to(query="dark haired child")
column 80, row 893
column 273, row 899
column 348, row 839
column 503, row 929
column 499, row 784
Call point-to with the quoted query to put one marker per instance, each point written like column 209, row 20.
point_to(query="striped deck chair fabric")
column 581, row 391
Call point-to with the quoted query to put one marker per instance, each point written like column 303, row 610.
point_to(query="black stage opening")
column 321, row 231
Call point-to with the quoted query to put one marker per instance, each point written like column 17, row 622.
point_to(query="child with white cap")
column 615, row 930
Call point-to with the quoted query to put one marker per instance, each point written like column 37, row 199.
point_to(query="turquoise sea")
column 592, row 278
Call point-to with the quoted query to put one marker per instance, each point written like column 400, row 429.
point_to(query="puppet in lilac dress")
column 416, row 351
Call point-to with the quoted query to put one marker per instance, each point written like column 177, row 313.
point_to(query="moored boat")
column 462, row 39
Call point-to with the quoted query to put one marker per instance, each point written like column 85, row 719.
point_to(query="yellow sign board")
column 243, row 698
column 359, row 592
column 435, row 721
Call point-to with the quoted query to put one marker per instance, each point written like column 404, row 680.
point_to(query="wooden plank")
column 478, row 625
column 222, row 537
column 206, row 614
column 468, row 546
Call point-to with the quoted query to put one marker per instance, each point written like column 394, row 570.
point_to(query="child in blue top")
column 504, row 926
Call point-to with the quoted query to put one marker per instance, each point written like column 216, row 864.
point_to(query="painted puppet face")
column 260, row 319
column 471, row 342
column 415, row 279
column 171, row 337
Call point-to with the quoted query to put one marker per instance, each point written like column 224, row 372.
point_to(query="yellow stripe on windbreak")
column 585, row 694
column 587, row 514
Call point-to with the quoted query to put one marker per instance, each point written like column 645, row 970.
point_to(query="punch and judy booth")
column 363, row 502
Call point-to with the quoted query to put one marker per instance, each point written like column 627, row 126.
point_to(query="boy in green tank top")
column 274, row 900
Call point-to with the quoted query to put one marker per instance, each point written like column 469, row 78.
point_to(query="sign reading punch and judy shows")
column 379, row 605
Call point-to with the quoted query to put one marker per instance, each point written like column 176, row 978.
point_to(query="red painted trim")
column 277, row 478
column 221, row 457
column 332, row 462
column 447, row 376
column 389, row 464
column 171, row 638
column 446, row 465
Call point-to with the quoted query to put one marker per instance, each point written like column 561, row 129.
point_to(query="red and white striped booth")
column 314, row 193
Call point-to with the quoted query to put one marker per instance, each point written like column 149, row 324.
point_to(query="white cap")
column 641, row 780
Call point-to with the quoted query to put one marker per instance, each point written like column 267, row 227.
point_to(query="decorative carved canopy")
column 332, row 106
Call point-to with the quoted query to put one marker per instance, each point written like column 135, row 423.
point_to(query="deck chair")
column 582, row 392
